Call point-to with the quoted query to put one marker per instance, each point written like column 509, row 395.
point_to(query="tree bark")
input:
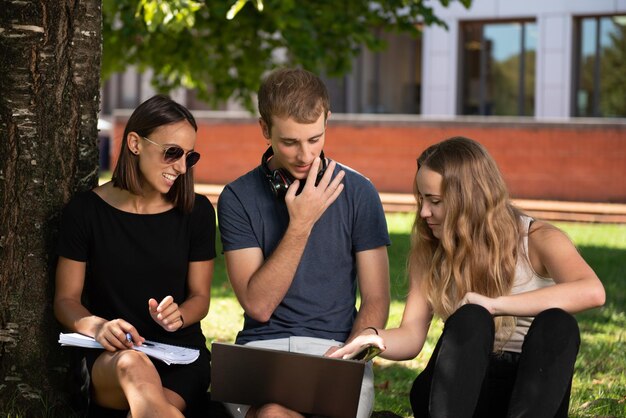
column 50, row 53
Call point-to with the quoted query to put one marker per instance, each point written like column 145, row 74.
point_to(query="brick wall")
column 573, row 161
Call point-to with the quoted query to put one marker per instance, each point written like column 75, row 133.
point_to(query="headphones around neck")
column 280, row 179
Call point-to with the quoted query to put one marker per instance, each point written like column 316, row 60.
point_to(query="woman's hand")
column 113, row 335
column 357, row 344
column 166, row 313
column 478, row 299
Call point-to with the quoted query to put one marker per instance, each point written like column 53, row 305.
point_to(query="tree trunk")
column 50, row 53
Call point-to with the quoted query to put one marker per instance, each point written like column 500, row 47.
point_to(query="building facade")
column 541, row 83
column 543, row 59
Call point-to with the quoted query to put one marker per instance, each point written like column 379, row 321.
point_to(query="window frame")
column 577, row 22
column 521, row 90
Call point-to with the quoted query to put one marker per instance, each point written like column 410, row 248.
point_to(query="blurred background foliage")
column 223, row 48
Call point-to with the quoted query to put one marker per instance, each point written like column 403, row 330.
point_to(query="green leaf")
column 223, row 49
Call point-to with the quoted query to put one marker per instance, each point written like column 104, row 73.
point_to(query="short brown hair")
column 155, row 112
column 294, row 93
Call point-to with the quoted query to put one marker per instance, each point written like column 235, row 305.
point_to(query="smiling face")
column 157, row 175
column 295, row 145
column 432, row 209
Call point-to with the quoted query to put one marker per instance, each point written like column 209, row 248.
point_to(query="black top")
column 132, row 258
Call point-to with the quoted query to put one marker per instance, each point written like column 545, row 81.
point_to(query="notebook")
column 169, row 354
column 302, row 382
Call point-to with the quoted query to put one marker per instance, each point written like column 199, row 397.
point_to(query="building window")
column 497, row 68
column 381, row 82
column 600, row 60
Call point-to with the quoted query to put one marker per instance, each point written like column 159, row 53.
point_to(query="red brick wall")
column 574, row 161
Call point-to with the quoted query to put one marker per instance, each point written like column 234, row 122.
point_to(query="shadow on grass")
column 398, row 253
column 610, row 266
column 599, row 387
column 220, row 287
column 392, row 385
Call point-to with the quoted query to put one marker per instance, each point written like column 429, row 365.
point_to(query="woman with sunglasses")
column 136, row 263
column 506, row 286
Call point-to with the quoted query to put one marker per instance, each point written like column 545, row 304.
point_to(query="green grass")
column 599, row 388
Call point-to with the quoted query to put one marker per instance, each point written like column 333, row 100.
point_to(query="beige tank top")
column 526, row 280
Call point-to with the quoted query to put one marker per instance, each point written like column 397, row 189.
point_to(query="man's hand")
column 307, row 207
column 261, row 283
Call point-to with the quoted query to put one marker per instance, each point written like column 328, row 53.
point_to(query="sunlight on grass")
column 224, row 320
column 599, row 387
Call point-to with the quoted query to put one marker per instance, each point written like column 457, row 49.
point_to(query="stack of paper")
column 169, row 354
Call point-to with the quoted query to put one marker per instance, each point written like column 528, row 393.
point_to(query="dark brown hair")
column 155, row 112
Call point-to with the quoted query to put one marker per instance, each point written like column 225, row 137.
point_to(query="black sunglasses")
column 173, row 153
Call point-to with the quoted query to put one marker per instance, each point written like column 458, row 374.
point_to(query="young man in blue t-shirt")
column 296, row 245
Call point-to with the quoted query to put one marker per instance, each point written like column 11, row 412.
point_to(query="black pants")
column 464, row 378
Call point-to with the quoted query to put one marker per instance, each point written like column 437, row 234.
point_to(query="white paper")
column 169, row 354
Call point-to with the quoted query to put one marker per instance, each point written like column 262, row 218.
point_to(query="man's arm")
column 373, row 276
column 260, row 285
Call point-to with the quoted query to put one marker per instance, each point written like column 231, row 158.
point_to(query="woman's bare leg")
column 127, row 379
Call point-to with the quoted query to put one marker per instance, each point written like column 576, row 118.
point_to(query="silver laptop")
column 302, row 382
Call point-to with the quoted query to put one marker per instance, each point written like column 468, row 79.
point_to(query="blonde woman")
column 505, row 285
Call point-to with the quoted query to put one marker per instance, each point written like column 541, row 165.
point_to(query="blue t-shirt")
column 321, row 299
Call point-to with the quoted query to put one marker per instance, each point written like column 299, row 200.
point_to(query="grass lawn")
column 599, row 388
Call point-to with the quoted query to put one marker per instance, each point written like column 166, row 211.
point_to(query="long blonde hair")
column 480, row 239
